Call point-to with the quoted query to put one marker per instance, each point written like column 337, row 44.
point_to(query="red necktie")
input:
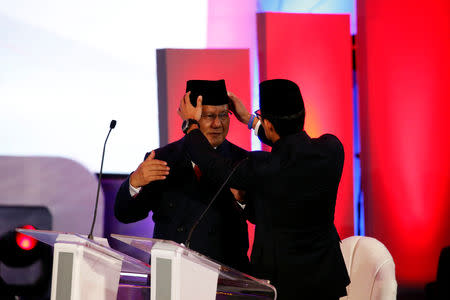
column 197, row 172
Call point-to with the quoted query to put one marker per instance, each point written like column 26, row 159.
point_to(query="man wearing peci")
column 291, row 193
column 171, row 186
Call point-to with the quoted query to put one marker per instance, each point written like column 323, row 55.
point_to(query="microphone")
column 111, row 127
column 188, row 240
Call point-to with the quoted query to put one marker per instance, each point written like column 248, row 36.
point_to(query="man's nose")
column 216, row 122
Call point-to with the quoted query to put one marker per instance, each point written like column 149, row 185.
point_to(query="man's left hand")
column 239, row 109
column 187, row 111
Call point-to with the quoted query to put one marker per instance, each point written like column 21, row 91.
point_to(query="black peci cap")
column 213, row 92
column 280, row 99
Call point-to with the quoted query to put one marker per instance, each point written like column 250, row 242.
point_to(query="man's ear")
column 268, row 125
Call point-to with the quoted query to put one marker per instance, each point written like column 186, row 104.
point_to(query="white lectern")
column 179, row 273
column 85, row 269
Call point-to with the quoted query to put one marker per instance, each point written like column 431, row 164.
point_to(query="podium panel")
column 179, row 273
column 83, row 268
column 89, row 269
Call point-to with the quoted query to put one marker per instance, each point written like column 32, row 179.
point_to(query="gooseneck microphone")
column 111, row 127
column 188, row 240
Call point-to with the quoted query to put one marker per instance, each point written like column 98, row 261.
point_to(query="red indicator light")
column 26, row 242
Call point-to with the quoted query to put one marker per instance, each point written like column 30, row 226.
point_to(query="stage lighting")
column 26, row 242
column 25, row 263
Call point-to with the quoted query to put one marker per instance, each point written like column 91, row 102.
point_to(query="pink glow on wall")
column 231, row 24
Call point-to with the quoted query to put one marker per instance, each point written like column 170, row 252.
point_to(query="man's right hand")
column 239, row 195
column 149, row 170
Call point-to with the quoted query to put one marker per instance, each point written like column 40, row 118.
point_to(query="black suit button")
column 180, row 229
column 170, row 204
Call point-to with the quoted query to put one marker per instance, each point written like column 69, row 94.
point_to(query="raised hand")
column 238, row 109
column 187, row 111
column 149, row 170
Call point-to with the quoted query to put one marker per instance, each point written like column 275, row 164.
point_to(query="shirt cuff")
column 241, row 205
column 258, row 124
column 134, row 191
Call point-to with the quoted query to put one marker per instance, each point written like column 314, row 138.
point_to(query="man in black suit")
column 291, row 193
column 170, row 185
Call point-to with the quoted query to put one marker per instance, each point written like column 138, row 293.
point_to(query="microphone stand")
column 111, row 126
column 188, row 240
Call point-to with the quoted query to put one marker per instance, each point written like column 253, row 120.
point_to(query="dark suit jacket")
column 178, row 201
column 292, row 196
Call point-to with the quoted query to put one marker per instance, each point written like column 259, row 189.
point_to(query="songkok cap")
column 213, row 92
column 280, row 99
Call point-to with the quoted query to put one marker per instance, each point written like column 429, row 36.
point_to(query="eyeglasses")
column 223, row 116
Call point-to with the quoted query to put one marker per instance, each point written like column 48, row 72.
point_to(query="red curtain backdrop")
column 403, row 63
column 314, row 50
column 176, row 66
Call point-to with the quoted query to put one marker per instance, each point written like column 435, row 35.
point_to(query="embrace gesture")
column 149, row 170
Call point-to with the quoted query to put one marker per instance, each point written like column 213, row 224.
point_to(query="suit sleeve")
column 216, row 167
column 126, row 208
